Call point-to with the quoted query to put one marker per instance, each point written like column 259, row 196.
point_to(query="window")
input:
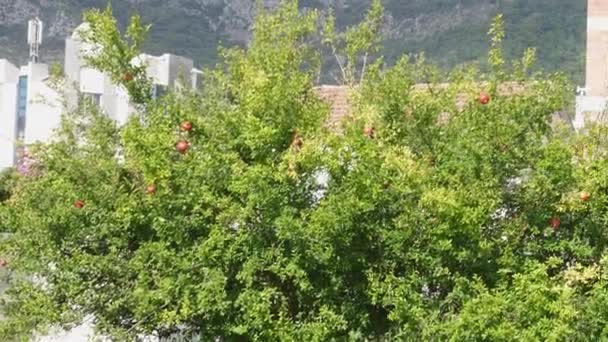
column 21, row 107
column 20, row 127
column 95, row 98
column 158, row 91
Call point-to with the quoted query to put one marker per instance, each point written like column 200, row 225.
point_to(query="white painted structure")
column 8, row 118
column 44, row 106
column 164, row 70
column 591, row 101
column 589, row 109
column 30, row 110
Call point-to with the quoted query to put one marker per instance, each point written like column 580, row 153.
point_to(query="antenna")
column 34, row 38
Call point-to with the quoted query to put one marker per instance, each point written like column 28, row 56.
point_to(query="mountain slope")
column 450, row 32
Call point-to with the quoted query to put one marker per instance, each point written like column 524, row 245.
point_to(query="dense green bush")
column 433, row 214
column 7, row 183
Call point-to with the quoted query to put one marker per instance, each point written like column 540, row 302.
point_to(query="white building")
column 165, row 72
column 591, row 101
column 30, row 110
column 9, row 75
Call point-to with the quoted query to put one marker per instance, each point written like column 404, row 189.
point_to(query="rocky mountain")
column 450, row 32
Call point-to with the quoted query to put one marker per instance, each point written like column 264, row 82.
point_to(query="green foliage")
column 116, row 55
column 432, row 222
column 8, row 178
column 360, row 40
column 497, row 34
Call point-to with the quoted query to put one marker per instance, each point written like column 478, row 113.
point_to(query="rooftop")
column 338, row 97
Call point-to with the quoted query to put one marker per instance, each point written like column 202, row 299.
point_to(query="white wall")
column 109, row 98
column 72, row 62
column 180, row 69
column 8, row 72
column 36, row 72
column 91, row 81
column 81, row 333
column 588, row 109
column 44, row 105
column 166, row 69
column 9, row 75
column 43, row 113
column 8, row 104
column 123, row 106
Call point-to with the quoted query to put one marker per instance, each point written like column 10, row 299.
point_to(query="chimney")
column 597, row 48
